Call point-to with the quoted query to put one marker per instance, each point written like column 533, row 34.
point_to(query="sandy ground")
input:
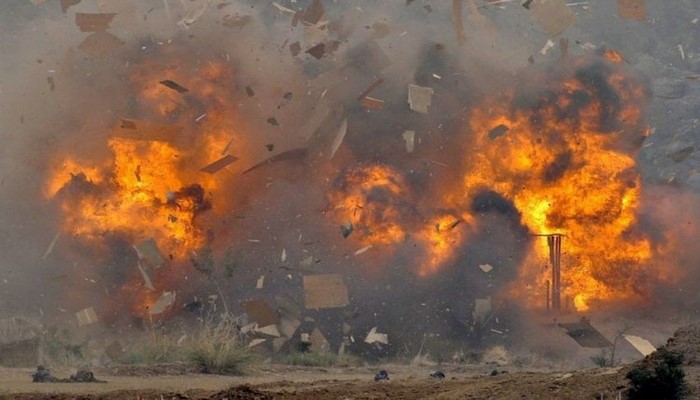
column 285, row 382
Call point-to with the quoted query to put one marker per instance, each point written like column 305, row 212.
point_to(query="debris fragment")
column 51, row 245
column 375, row 337
column 283, row 257
column 219, row 164
column 260, row 282
column 553, row 16
column 256, row 342
column 313, row 13
column 370, row 88
column 362, row 250
column 100, row 44
column 317, row 51
column 283, row 8
column 585, row 334
column 346, row 229
column 249, row 91
column 457, row 21
column 339, row 136
column 269, row 330
column 680, row 50
column 260, row 312
column 270, row 147
column 318, row 341
column 640, row 344
column 482, row 310
column 409, row 138
column 174, row 86
column 547, row 46
column 86, row 316
column 93, row 22
column 147, row 282
column 294, row 154
column 372, row 103
column 273, row 121
column 486, row 268
column 325, row 291
column 419, row 98
column 497, row 131
column 164, row 302
column 148, row 251
column 632, row 9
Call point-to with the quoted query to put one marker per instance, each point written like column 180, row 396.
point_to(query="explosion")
column 560, row 157
column 161, row 175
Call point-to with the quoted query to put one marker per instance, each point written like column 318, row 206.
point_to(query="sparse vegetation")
column 160, row 349
column 659, row 377
column 320, row 359
column 219, row 348
column 61, row 348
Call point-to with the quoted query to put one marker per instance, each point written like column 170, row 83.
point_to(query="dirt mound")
column 242, row 392
column 686, row 340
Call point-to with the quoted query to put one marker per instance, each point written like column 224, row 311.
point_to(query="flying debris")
column 346, row 229
column 164, row 302
column 419, row 98
column 325, row 291
column 174, row 86
column 87, row 316
column 219, row 164
column 294, row 154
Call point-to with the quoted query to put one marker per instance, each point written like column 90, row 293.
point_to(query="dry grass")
column 218, row 347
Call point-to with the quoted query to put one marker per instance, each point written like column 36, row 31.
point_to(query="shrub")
column 659, row 377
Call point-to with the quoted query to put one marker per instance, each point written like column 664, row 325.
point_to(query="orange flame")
column 561, row 165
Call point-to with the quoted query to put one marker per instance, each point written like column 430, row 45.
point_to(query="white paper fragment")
column 547, row 47
column 86, row 316
column 419, row 98
column 163, row 303
column 642, row 345
column 409, row 138
column 362, row 250
column 50, row 248
column 260, row 282
column 283, row 257
column 283, row 8
column 256, row 342
column 486, row 267
column 270, row 330
column 375, row 337
column 680, row 50
column 339, row 136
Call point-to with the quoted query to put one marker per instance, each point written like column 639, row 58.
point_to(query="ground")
column 287, row 382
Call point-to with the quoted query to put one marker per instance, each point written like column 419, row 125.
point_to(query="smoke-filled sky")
column 423, row 220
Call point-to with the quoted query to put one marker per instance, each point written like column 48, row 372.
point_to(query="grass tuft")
column 219, row 348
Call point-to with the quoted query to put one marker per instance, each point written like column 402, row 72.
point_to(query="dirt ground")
column 407, row 382
column 286, row 382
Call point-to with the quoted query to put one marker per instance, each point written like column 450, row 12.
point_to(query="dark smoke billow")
column 282, row 207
